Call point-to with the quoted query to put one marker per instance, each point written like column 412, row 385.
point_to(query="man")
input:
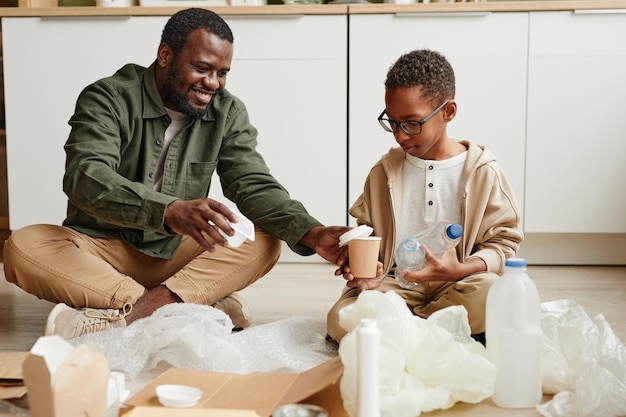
column 140, row 232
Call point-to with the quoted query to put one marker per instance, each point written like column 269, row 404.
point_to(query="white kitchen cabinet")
column 576, row 138
column 488, row 52
column 47, row 62
column 290, row 74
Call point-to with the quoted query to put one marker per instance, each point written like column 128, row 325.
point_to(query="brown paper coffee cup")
column 363, row 254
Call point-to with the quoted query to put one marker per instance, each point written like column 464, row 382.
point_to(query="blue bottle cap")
column 454, row 231
column 516, row 262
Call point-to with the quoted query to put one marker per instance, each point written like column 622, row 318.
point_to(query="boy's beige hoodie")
column 489, row 213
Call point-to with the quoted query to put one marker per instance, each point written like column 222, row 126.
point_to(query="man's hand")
column 325, row 241
column 192, row 217
column 362, row 283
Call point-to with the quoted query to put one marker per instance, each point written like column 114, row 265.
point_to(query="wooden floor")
column 310, row 290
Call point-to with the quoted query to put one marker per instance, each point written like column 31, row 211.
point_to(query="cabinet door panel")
column 576, row 128
column 303, row 145
column 488, row 54
column 301, row 133
column 47, row 62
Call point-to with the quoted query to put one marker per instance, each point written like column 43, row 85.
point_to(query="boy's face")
column 408, row 103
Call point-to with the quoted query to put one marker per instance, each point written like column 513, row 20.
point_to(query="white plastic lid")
column 244, row 229
column 359, row 231
column 180, row 396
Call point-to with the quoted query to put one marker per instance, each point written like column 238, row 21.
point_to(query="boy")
column 430, row 178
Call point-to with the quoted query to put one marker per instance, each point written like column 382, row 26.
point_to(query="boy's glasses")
column 410, row 127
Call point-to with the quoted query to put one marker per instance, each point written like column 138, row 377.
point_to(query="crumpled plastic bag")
column 584, row 363
column 424, row 364
column 200, row 337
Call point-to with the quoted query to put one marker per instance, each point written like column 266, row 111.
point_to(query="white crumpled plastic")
column 200, row 337
column 424, row 364
column 584, row 363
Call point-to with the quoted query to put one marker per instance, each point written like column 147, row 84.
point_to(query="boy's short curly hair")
column 427, row 69
column 182, row 23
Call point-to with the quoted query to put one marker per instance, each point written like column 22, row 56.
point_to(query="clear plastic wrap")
column 424, row 364
column 199, row 337
column 584, row 363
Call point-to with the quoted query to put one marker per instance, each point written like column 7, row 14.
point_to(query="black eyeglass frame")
column 394, row 124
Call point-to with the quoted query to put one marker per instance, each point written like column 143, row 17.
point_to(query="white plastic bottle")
column 410, row 254
column 514, row 337
column 368, row 362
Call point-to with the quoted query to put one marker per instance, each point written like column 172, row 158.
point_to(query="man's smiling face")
column 196, row 74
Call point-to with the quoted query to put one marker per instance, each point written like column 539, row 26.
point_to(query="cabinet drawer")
column 289, row 36
column 569, row 33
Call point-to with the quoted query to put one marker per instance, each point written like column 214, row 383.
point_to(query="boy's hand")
column 362, row 283
column 446, row 268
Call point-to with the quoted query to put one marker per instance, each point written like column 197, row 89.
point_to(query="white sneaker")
column 237, row 309
column 69, row 322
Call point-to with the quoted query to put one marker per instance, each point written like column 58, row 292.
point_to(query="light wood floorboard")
column 310, row 290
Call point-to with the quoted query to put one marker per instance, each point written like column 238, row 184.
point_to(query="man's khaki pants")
column 59, row 264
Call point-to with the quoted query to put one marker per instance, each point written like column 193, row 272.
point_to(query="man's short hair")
column 182, row 23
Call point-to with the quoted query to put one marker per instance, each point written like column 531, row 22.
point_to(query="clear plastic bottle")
column 514, row 337
column 441, row 237
column 410, row 253
column 409, row 256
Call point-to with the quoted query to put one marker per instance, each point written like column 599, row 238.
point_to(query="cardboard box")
column 262, row 393
column 11, row 379
column 65, row 381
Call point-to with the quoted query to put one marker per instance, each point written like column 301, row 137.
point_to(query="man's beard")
column 180, row 102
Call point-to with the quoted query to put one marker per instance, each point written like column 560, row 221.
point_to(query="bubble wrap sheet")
column 199, row 337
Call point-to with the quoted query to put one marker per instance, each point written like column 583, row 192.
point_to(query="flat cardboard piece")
column 260, row 392
column 184, row 412
column 11, row 379
column 63, row 381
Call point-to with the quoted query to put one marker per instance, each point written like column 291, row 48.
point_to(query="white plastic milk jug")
column 514, row 337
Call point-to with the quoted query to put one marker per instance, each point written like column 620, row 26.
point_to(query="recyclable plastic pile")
column 199, row 337
column 431, row 364
column 425, row 365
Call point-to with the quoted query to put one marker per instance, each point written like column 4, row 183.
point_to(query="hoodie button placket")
column 431, row 176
